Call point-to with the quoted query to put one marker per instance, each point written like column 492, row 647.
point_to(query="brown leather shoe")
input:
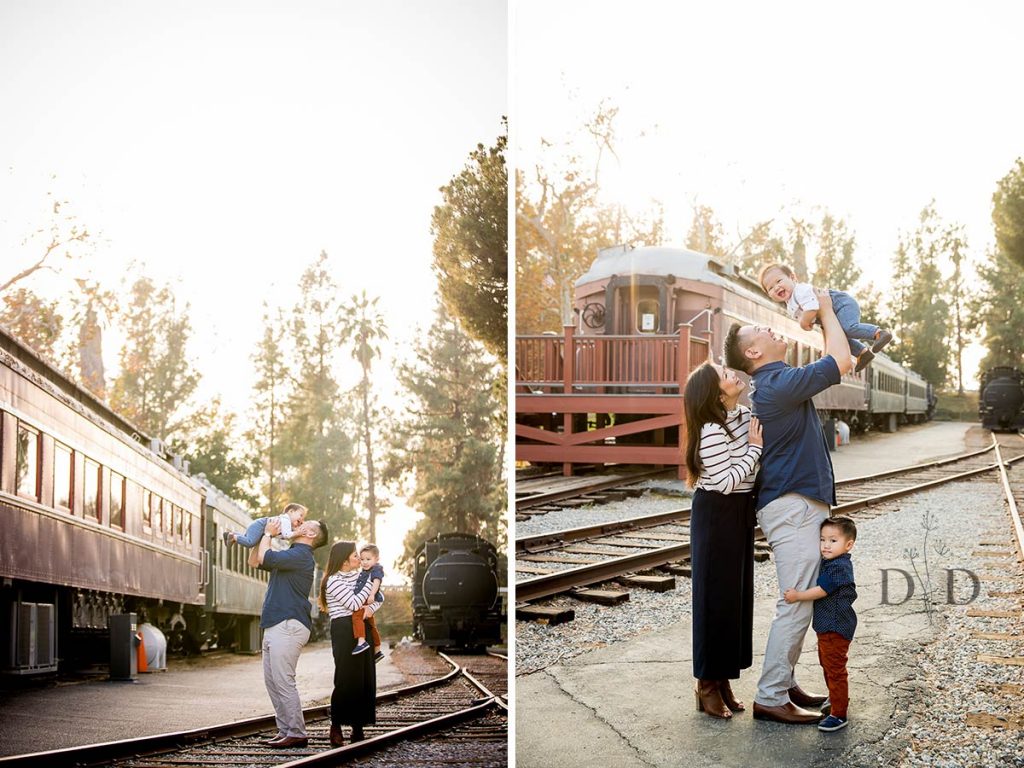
column 709, row 699
column 802, row 699
column 337, row 739
column 289, row 742
column 727, row 696
column 787, row 713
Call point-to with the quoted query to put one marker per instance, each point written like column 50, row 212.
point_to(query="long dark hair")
column 702, row 403
column 340, row 552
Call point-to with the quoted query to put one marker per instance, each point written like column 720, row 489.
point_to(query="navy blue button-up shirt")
column 291, row 579
column 795, row 457
column 834, row 612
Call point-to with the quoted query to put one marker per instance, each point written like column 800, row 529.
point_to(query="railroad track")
column 545, row 491
column 562, row 561
column 442, row 703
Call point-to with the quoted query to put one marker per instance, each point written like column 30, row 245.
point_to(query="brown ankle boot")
column 727, row 696
column 337, row 739
column 709, row 700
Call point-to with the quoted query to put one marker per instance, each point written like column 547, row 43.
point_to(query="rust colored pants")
column 832, row 652
column 359, row 629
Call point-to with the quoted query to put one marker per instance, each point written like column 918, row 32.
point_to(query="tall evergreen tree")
column 447, row 442
column 208, row 441
column 364, row 328
column 899, row 301
column 706, row 234
column 997, row 312
column 835, row 262
column 470, row 232
column 925, row 344
column 954, row 245
column 156, row 377
column 316, row 449
column 1008, row 213
column 270, row 390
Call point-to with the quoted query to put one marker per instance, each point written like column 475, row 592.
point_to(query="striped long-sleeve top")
column 728, row 465
column 342, row 597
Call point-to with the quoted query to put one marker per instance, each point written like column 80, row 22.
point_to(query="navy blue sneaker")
column 832, row 723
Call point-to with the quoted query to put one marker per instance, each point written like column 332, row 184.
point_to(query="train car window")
column 27, row 462
column 116, row 500
column 188, row 527
column 62, row 476
column 178, row 532
column 147, row 511
column 91, row 501
column 157, row 507
column 647, row 316
column 793, row 355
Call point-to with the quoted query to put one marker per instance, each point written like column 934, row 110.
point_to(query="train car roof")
column 679, row 262
column 79, row 398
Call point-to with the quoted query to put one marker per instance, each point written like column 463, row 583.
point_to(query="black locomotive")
column 1001, row 399
column 455, row 596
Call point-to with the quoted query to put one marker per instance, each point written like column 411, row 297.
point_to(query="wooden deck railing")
column 596, row 362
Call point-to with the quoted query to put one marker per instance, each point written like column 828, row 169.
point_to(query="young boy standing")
column 834, row 618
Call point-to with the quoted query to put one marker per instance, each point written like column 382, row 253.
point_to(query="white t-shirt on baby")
column 802, row 300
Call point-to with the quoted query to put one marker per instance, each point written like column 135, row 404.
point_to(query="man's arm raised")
column 836, row 343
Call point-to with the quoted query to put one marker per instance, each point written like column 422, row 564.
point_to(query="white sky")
column 225, row 144
column 870, row 109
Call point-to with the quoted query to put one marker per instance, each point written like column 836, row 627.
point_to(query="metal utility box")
column 249, row 636
column 32, row 642
column 124, row 663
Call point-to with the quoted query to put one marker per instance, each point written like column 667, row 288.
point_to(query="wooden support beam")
column 653, row 583
column 544, row 615
column 601, row 596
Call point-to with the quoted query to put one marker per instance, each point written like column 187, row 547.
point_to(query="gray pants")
column 792, row 524
column 282, row 644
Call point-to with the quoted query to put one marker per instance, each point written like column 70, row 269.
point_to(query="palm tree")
column 363, row 326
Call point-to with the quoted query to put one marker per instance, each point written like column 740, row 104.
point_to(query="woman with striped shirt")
column 354, row 699
column 723, row 445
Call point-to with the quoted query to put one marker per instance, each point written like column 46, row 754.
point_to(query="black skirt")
column 354, row 699
column 722, row 558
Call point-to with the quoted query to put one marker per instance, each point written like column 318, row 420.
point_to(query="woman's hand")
column 754, row 436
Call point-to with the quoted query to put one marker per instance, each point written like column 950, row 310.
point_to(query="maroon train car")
column 94, row 521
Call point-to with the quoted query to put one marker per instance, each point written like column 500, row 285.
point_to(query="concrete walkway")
column 631, row 704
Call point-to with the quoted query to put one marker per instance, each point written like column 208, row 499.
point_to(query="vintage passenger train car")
column 455, row 596
column 96, row 522
column 646, row 317
column 1001, row 399
column 655, row 290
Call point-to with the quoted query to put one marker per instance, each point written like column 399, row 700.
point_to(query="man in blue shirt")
column 795, row 489
column 286, row 622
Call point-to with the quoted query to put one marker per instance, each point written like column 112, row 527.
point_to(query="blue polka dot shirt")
column 834, row 612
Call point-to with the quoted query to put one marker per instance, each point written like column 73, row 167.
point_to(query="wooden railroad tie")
column 1006, row 661
column 991, row 553
column 544, row 615
column 654, row 583
column 992, row 614
column 678, row 569
column 993, row 722
column 601, row 596
column 1017, row 595
column 995, row 636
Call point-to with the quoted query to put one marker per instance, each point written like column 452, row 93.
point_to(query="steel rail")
column 1018, row 527
column 536, row 500
column 546, row 585
column 912, row 468
column 544, row 541
column 91, row 754
column 384, row 740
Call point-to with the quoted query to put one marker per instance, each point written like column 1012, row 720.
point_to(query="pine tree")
column 156, row 377
column 470, row 232
column 447, row 442
column 364, row 328
column 270, row 390
column 208, row 441
column 1008, row 213
column 997, row 311
column 835, row 263
column 316, row 450
column 926, row 347
column 706, row 234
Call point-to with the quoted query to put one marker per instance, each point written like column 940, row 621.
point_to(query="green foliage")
column 706, row 235
column 835, row 262
column 470, row 232
column 33, row 321
column 1008, row 213
column 927, row 316
column 269, row 392
column 315, row 448
column 364, row 328
column 998, row 312
column 208, row 441
column 447, row 443
column 156, row 377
